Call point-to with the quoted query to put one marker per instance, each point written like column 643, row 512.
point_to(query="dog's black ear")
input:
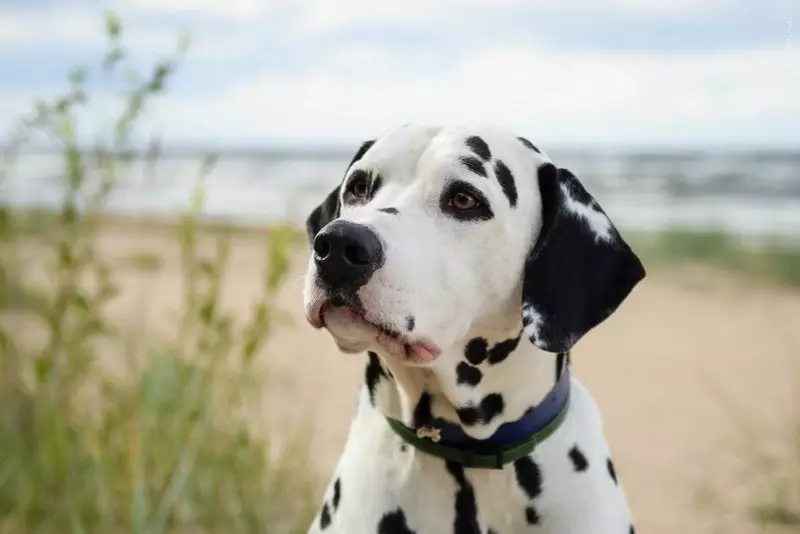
column 579, row 270
column 329, row 209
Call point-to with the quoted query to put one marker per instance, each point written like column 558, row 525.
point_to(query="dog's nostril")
column 356, row 255
column 322, row 248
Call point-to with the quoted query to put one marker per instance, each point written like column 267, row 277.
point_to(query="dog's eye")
column 462, row 201
column 358, row 186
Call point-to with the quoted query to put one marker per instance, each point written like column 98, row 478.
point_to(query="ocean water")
column 751, row 194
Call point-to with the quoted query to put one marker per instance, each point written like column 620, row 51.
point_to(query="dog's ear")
column 329, row 209
column 579, row 270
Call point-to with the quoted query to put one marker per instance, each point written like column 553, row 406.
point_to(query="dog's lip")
column 416, row 350
column 314, row 315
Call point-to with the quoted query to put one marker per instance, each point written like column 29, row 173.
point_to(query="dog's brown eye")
column 463, row 201
column 358, row 187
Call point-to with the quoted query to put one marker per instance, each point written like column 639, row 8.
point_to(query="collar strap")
column 484, row 453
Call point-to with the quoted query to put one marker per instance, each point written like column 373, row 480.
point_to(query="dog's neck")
column 487, row 379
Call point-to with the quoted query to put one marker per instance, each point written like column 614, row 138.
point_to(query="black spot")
column 361, row 151
column 468, row 415
column 466, row 518
column 506, row 179
column 373, row 375
column 467, row 374
column 422, row 412
column 532, row 515
column 529, row 477
column 394, row 523
column 490, row 407
column 561, row 360
column 337, row 494
column 611, row 471
column 479, row 146
column 501, row 351
column 579, row 461
column 324, row 517
column 475, row 351
column 393, row 211
column 474, row 164
column 403, row 447
column 529, row 144
column 410, row 323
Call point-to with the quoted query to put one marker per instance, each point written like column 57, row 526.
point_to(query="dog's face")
column 434, row 232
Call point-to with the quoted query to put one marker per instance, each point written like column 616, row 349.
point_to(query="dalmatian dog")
column 465, row 265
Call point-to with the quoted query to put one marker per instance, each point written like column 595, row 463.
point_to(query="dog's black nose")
column 347, row 254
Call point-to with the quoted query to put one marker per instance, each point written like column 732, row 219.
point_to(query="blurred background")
column 159, row 155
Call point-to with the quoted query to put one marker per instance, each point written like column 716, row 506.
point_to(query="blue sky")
column 563, row 72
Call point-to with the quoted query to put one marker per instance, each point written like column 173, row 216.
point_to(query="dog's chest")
column 383, row 485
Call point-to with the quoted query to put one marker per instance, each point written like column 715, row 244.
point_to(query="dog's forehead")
column 419, row 152
column 396, row 155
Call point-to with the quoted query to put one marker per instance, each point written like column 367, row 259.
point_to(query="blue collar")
column 511, row 442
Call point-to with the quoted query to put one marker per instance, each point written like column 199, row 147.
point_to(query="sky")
column 626, row 73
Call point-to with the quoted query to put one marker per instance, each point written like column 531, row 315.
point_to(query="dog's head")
column 434, row 232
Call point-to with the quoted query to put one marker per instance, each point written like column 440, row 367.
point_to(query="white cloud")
column 84, row 27
column 21, row 27
column 311, row 17
column 318, row 16
column 230, row 10
column 558, row 95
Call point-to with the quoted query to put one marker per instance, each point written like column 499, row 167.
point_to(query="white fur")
column 597, row 221
column 459, row 280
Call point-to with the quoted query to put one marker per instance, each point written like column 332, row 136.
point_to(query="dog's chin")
column 354, row 334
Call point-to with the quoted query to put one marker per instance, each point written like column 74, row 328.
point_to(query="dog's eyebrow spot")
column 479, row 147
column 579, row 461
column 366, row 145
column 410, row 323
column 529, row 145
column 475, row 165
column 506, row 179
column 467, row 374
column 392, row 211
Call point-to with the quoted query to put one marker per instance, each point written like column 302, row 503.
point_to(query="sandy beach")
column 692, row 353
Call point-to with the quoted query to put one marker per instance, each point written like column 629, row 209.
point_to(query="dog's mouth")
column 352, row 330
